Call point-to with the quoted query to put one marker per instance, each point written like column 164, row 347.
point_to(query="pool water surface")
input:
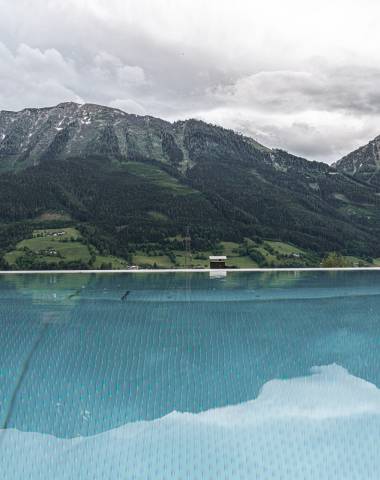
column 271, row 375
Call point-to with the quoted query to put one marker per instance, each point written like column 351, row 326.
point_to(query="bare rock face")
column 72, row 130
column 363, row 163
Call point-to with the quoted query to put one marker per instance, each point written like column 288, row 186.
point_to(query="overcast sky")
column 302, row 75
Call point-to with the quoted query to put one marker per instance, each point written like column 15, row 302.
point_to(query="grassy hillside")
column 58, row 248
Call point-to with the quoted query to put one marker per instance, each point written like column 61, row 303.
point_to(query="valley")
column 66, row 248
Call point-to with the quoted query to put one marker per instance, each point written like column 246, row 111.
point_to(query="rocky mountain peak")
column 363, row 163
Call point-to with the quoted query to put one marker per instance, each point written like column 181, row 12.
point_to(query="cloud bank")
column 303, row 76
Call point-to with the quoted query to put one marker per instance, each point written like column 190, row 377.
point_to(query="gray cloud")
column 354, row 89
column 295, row 76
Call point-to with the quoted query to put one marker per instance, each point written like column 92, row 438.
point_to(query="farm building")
column 218, row 261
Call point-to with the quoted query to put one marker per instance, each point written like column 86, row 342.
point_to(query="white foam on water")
column 324, row 426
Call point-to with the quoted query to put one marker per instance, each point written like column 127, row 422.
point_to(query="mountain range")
column 127, row 181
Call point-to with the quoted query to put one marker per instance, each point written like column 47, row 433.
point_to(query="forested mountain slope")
column 128, row 180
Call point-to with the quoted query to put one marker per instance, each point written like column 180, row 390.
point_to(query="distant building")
column 56, row 234
column 218, row 261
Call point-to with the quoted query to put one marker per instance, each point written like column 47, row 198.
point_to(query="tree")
column 334, row 260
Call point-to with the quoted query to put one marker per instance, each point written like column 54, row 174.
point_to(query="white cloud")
column 112, row 68
column 301, row 73
column 32, row 77
column 319, row 114
column 128, row 105
column 314, row 134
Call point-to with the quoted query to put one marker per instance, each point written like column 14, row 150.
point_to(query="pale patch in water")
column 322, row 426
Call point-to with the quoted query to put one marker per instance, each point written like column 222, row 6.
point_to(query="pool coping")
column 193, row 270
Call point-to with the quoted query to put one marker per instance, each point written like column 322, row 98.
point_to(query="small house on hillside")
column 218, row 261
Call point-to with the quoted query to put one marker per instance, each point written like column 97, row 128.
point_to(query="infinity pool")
column 187, row 376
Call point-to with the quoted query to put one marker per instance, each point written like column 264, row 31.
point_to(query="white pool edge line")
column 192, row 270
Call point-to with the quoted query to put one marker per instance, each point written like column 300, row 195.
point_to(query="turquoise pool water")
column 157, row 376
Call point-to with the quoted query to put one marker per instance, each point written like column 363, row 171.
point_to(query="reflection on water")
column 323, row 426
column 83, row 354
